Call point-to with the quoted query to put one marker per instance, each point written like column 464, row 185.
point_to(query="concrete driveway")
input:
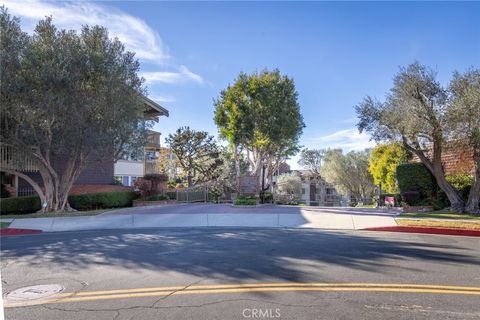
column 218, row 215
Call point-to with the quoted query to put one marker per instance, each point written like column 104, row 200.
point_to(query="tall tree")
column 197, row 154
column 463, row 117
column 259, row 114
column 312, row 159
column 66, row 97
column 383, row 163
column 349, row 173
column 414, row 114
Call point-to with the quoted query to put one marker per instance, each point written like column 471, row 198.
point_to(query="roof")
column 155, row 110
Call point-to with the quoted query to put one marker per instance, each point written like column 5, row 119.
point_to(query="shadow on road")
column 235, row 253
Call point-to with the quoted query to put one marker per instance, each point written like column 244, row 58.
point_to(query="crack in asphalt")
column 175, row 291
column 118, row 310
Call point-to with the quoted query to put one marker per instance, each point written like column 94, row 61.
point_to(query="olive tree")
column 463, row 117
column 289, row 186
column 69, row 98
column 349, row 173
column 413, row 113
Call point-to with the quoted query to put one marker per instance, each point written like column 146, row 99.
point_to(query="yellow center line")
column 255, row 285
column 363, row 288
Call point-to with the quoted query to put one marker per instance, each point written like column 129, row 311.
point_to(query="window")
column 303, row 190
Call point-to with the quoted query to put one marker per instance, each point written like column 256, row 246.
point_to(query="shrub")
column 3, row 191
column 412, row 198
column 415, row 177
column 267, row 196
column 157, row 197
column 102, row 200
column 214, row 193
column 245, row 201
column 462, row 182
column 151, row 184
column 19, row 205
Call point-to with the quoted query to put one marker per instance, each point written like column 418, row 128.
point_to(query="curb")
column 5, row 232
column 441, row 231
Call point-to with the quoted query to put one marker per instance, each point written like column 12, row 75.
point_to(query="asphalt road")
column 244, row 274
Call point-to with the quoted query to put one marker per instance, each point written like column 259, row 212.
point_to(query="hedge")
column 19, row 205
column 102, row 200
column 90, row 201
column 416, row 177
column 245, row 201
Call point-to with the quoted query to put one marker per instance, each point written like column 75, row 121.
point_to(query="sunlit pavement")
column 211, row 215
column 235, row 273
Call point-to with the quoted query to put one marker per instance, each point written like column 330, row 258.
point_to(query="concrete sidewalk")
column 304, row 218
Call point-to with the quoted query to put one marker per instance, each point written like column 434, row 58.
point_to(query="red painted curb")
column 445, row 231
column 17, row 232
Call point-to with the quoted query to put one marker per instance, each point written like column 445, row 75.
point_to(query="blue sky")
column 336, row 52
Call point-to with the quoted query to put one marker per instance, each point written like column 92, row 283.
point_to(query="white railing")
column 14, row 159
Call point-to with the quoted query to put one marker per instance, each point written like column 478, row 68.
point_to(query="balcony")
column 151, row 167
column 153, row 140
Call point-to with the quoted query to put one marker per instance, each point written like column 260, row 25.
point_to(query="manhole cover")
column 34, row 292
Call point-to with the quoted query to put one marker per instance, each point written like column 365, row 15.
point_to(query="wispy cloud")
column 162, row 98
column 133, row 32
column 348, row 139
column 172, row 77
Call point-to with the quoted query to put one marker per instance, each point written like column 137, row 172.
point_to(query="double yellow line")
column 245, row 288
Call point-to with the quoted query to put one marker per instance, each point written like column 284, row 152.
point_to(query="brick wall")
column 456, row 159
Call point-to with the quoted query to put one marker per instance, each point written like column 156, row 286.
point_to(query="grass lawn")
column 4, row 225
column 439, row 215
column 54, row 214
column 470, row 225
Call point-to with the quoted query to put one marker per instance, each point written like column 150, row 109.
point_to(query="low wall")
column 144, row 203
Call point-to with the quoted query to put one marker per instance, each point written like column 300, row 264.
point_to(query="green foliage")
column 197, row 153
column 68, row 95
column 3, row 191
column 102, row 200
column 349, row 173
column 245, row 201
column 415, row 177
column 19, row 205
column 420, row 186
column 289, row 187
column 171, row 184
column 214, row 194
column 227, row 179
column 267, row 196
column 260, row 113
column 157, row 197
column 462, row 182
column 312, row 159
column 419, row 112
column 383, row 163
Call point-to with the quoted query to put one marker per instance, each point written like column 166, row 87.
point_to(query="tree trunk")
column 35, row 185
column 456, row 200
column 436, row 169
column 237, row 168
column 474, row 195
column 189, row 179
